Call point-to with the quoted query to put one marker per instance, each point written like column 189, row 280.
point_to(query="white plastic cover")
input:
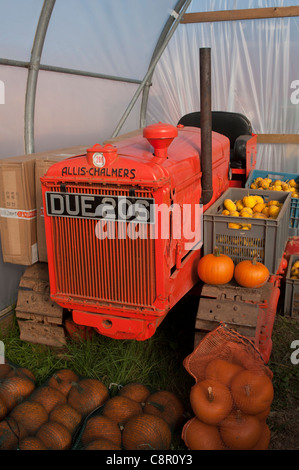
column 255, row 71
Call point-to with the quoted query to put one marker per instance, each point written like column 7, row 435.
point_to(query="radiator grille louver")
column 114, row 271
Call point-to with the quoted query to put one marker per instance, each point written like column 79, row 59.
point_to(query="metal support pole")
column 34, row 66
column 150, row 70
column 146, row 89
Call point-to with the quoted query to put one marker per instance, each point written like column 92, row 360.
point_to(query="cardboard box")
column 19, row 209
column 42, row 164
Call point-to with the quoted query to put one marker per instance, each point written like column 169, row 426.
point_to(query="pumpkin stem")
column 247, row 390
column 239, row 415
column 156, row 405
column 254, row 260
column 216, row 251
column 210, row 394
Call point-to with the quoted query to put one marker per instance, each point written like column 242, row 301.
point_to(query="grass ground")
column 158, row 363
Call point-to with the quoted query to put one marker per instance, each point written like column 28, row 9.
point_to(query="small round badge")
column 98, row 159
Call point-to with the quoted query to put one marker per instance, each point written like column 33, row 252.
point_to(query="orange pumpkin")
column 215, row 268
column 14, row 389
column 252, row 392
column 48, row 397
column 30, row 415
column 201, row 436
column 55, row 436
column 120, row 409
column 146, row 432
column 251, row 273
column 99, row 427
column 21, row 372
column 67, row 415
column 166, row 405
column 222, row 371
column 211, row 401
column 135, row 391
column 31, row 443
column 86, row 395
column 10, row 434
column 4, row 370
column 239, row 431
column 62, row 380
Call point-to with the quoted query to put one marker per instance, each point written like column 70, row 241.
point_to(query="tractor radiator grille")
column 109, row 271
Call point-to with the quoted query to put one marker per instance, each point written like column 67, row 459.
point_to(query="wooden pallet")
column 239, row 308
column 39, row 318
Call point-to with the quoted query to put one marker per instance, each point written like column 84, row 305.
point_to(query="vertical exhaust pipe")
column 206, row 125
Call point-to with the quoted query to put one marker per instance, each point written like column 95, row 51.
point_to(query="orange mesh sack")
column 232, row 394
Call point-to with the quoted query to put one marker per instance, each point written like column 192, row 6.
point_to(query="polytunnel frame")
column 34, row 66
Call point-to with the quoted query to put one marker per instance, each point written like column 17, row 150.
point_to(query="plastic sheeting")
column 254, row 65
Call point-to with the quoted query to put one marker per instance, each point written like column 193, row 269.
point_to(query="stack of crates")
column 251, row 312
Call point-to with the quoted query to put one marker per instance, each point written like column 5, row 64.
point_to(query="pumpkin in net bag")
column 211, row 401
column 252, row 391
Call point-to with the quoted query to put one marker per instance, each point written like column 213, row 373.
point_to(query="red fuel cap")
column 160, row 137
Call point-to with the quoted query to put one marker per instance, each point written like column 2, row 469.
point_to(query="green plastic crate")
column 266, row 240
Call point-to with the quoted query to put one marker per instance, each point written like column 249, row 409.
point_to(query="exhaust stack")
column 206, row 125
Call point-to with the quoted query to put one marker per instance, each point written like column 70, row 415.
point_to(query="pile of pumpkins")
column 276, row 185
column 253, row 206
column 231, row 405
column 69, row 409
column 217, row 268
column 134, row 419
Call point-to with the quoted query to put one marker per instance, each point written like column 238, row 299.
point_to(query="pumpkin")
column 102, row 444
column 31, row 443
column 239, row 431
column 55, row 436
column 252, row 392
column 146, row 432
column 251, row 273
column 48, row 397
column 215, row 268
column 99, row 427
column 264, row 440
column 222, row 371
column 120, row 409
column 67, row 415
column 21, row 372
column 62, row 380
column 87, row 394
column 14, row 389
column 166, row 405
column 10, row 434
column 3, row 409
column 211, row 401
column 30, row 415
column 264, row 414
column 4, row 370
column 201, row 436
column 135, row 391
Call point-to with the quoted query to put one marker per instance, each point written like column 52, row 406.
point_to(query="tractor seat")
column 235, row 126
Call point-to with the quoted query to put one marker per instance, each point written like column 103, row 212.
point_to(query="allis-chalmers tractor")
column 123, row 222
